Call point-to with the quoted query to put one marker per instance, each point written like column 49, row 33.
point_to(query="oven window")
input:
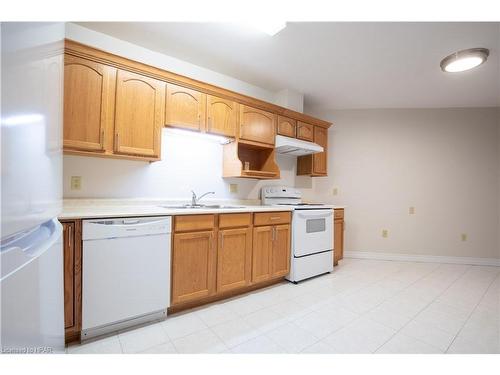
column 315, row 225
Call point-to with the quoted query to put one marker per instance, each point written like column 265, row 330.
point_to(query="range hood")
column 295, row 147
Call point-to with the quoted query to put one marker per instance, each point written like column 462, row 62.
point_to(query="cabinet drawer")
column 235, row 220
column 187, row 223
column 338, row 213
column 270, row 218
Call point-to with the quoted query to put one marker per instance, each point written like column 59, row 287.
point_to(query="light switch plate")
column 76, row 182
column 335, row 191
column 233, row 188
column 411, row 210
column 385, row 233
column 463, row 236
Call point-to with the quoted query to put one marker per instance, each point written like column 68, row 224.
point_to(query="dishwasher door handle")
column 130, row 221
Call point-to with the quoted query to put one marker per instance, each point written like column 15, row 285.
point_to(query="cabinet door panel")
column 185, row 108
column 257, row 125
column 338, row 243
column 280, row 260
column 139, row 114
column 72, row 268
column 320, row 159
column 234, row 259
column 193, row 261
column 222, row 116
column 262, row 250
column 305, row 131
column 88, row 103
column 69, row 274
column 286, row 126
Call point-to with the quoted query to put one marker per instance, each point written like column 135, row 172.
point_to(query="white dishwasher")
column 126, row 273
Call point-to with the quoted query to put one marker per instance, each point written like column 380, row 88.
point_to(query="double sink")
column 201, row 206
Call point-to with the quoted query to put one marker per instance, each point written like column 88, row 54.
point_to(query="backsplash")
column 188, row 163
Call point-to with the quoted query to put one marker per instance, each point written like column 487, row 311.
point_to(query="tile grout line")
column 426, row 306
column 474, row 309
column 361, row 315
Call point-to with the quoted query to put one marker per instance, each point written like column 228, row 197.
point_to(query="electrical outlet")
column 76, row 182
column 335, row 191
column 411, row 210
column 463, row 236
column 233, row 188
column 385, row 233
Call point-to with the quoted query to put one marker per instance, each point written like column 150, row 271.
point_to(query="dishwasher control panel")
column 96, row 229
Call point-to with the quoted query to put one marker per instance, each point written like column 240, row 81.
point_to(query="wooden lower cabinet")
column 234, row 258
column 72, row 255
column 271, row 252
column 244, row 256
column 280, row 256
column 262, row 250
column 193, row 266
column 338, row 232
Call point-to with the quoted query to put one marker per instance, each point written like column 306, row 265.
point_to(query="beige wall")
column 444, row 162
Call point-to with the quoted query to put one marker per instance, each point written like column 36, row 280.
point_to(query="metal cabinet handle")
column 275, row 218
column 274, row 234
column 221, row 240
column 102, row 137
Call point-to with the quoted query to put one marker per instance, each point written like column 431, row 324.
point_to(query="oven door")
column 312, row 231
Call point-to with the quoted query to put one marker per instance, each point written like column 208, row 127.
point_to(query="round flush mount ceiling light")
column 464, row 60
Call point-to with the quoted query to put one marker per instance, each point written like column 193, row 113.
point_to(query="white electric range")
column 312, row 232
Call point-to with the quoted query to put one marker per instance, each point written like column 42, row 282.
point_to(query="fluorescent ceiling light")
column 464, row 60
column 188, row 133
column 270, row 27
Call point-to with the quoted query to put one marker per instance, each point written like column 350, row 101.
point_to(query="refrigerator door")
column 31, row 124
column 31, row 291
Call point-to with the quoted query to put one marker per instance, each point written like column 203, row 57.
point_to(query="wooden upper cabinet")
column 185, row 108
column 193, row 266
column 305, row 131
column 286, row 126
column 320, row 159
column 315, row 165
column 139, row 114
column 88, row 103
column 222, row 116
column 257, row 125
column 234, row 258
column 280, row 259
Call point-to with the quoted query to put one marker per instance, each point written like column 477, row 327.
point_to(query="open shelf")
column 259, row 161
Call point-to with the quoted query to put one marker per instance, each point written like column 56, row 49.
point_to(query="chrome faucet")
column 195, row 199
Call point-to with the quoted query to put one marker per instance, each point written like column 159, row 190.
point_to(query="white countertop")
column 101, row 208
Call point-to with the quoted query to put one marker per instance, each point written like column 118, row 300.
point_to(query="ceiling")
column 336, row 65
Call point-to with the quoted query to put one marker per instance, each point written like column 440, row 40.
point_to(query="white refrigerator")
column 31, row 254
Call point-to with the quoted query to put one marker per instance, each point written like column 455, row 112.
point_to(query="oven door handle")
column 315, row 216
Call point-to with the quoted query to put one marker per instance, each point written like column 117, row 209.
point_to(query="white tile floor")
column 364, row 306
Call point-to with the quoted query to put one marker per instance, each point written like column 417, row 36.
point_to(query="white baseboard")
column 422, row 258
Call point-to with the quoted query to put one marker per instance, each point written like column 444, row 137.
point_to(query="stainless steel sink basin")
column 201, row 206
